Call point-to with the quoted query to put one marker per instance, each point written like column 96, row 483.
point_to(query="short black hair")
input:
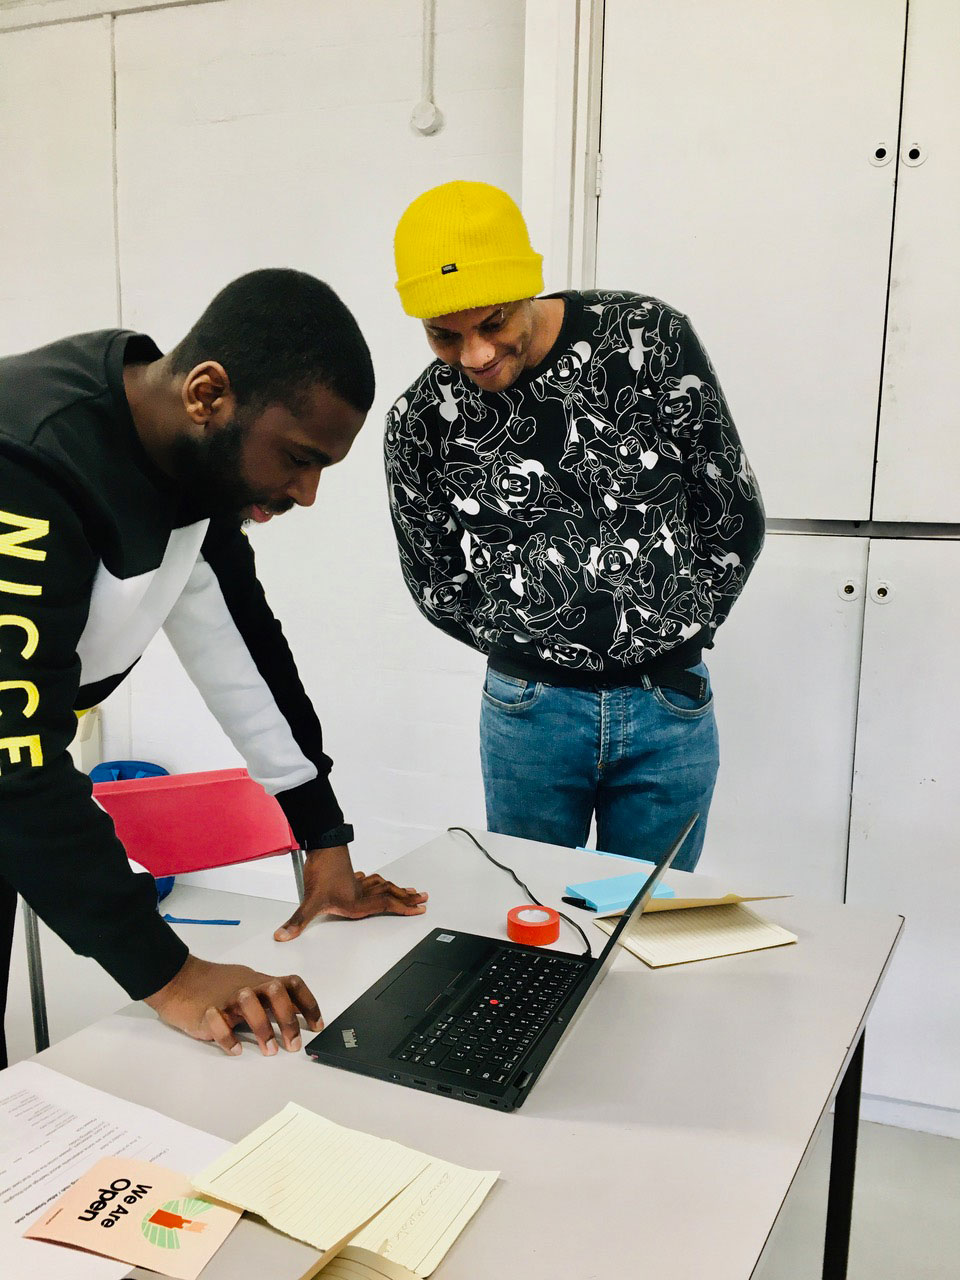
column 278, row 333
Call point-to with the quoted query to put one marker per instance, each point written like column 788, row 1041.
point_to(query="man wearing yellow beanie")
column 570, row 497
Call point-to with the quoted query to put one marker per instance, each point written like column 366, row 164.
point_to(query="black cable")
column 588, row 951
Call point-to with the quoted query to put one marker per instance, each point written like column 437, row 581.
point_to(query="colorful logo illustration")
column 163, row 1226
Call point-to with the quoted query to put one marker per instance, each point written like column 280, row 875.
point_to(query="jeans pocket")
column 510, row 693
column 680, row 704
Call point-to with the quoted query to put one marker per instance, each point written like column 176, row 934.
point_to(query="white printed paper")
column 52, row 1129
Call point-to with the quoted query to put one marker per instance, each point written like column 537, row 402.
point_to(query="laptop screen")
column 606, row 956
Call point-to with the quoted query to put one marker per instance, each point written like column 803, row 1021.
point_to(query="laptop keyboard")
column 497, row 1019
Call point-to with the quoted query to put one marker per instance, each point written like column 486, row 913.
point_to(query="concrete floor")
column 906, row 1211
column 906, row 1220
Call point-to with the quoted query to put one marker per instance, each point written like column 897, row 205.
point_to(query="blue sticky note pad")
column 617, row 892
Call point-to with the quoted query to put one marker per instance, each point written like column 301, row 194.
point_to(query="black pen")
column 577, row 902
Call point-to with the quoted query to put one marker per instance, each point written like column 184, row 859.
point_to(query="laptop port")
column 470, row 1093
column 420, row 1082
column 444, row 1088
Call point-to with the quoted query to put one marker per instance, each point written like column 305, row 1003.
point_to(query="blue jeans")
column 642, row 758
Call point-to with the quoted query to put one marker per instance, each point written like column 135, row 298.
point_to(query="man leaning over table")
column 125, row 478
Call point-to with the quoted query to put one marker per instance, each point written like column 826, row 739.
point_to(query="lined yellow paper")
column 360, row 1264
column 311, row 1178
column 700, row 933
column 419, row 1227
column 687, row 904
column 324, row 1184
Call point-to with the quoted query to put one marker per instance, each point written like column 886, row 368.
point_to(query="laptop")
column 473, row 1017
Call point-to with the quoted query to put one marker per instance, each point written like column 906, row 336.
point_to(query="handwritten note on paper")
column 325, row 1184
column 141, row 1214
column 700, row 933
column 418, row 1228
column 352, row 1263
column 310, row 1178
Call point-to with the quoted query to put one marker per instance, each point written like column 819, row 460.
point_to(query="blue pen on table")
column 188, row 920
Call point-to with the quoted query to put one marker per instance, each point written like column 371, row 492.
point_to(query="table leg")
column 297, row 856
column 843, row 1163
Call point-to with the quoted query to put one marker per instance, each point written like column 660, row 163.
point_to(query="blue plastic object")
column 190, row 920
column 624, row 857
column 164, row 885
column 617, row 892
column 124, row 771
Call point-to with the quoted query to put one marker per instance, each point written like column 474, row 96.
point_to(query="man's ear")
column 207, row 397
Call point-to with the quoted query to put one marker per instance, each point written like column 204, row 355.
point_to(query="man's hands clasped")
column 208, row 1001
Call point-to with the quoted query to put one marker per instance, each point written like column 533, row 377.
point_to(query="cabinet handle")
column 882, row 154
column 849, row 590
column 913, row 155
column 881, row 592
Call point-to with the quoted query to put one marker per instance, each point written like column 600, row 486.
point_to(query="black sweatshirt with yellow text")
column 96, row 555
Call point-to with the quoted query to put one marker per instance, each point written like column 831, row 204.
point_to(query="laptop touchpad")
column 418, row 985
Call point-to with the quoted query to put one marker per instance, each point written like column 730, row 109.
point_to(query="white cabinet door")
column 905, row 824
column 918, row 453
column 784, row 672
column 56, row 191
column 740, row 184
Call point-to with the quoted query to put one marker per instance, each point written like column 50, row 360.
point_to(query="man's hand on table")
column 332, row 887
column 208, row 1000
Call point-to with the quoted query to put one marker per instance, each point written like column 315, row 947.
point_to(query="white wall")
column 251, row 135
column 57, row 260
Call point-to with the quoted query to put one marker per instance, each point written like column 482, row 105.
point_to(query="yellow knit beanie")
column 463, row 245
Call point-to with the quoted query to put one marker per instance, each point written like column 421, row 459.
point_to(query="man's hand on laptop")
column 208, row 1000
column 332, row 887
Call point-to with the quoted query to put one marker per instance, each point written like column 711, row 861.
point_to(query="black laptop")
column 473, row 1017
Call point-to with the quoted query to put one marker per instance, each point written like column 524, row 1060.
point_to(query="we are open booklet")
column 141, row 1214
column 52, row 1131
column 327, row 1185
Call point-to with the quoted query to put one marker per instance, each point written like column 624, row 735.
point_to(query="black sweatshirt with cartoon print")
column 593, row 523
column 96, row 555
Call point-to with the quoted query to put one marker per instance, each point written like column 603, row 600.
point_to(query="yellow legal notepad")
column 698, row 933
column 360, row 1264
column 330, row 1186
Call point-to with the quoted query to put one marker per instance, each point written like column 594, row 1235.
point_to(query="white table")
column 663, row 1136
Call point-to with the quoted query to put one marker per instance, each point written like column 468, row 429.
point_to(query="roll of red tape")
column 535, row 926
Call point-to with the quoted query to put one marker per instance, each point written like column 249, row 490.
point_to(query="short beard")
column 210, row 470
